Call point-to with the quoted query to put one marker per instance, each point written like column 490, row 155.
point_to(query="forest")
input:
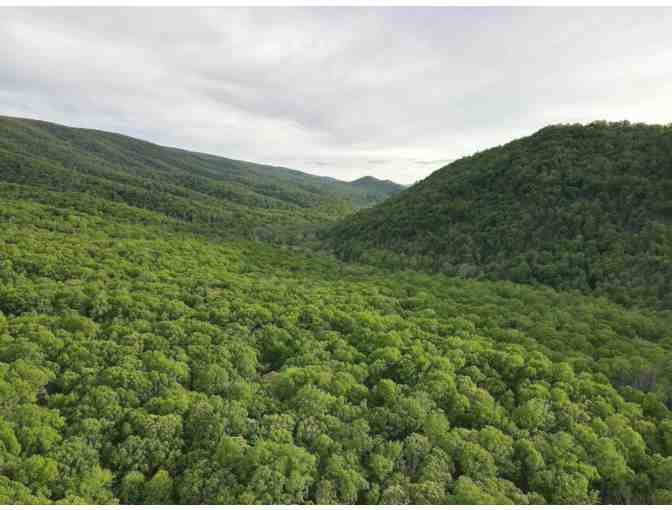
column 571, row 207
column 149, row 355
column 212, row 195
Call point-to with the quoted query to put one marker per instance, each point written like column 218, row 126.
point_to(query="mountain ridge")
column 220, row 194
column 571, row 206
column 369, row 180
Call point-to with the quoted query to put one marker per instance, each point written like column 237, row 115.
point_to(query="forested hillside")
column 213, row 194
column 145, row 358
column 143, row 365
column 377, row 189
column 572, row 206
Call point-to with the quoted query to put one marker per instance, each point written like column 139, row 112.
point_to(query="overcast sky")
column 390, row 92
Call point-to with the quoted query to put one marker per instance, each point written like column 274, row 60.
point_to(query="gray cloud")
column 392, row 92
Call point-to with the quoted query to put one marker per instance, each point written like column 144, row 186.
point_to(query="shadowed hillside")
column 378, row 186
column 572, row 206
column 213, row 194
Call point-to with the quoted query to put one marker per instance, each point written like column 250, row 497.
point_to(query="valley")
column 180, row 328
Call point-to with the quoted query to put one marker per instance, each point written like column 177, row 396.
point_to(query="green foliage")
column 571, row 207
column 377, row 190
column 158, row 490
column 143, row 361
column 148, row 366
column 84, row 168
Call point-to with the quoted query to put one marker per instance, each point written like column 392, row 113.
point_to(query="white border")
column 336, row 3
column 323, row 3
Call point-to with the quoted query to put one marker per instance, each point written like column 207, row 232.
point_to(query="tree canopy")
column 146, row 359
column 572, row 206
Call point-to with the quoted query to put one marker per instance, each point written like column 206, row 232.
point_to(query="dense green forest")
column 377, row 189
column 572, row 206
column 212, row 194
column 146, row 357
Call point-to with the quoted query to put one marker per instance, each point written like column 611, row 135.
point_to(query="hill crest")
column 585, row 207
column 218, row 194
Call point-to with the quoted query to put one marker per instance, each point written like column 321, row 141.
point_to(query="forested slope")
column 377, row 189
column 143, row 364
column 213, row 194
column 572, row 206
column 150, row 355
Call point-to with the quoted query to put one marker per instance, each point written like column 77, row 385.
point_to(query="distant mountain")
column 231, row 197
column 584, row 207
column 374, row 185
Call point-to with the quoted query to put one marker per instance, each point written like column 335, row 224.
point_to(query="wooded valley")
column 181, row 328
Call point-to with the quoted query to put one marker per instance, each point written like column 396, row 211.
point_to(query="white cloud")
column 378, row 91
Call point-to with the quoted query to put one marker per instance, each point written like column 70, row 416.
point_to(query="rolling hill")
column 143, row 365
column 148, row 357
column 377, row 186
column 585, row 207
column 213, row 194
